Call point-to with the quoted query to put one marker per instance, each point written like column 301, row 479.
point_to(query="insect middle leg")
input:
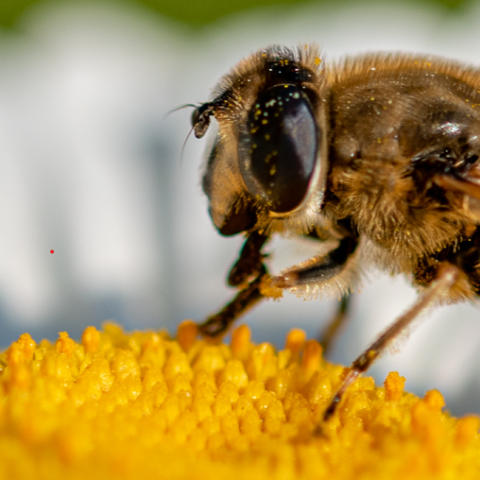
column 249, row 264
column 336, row 324
column 217, row 325
column 321, row 271
column 447, row 276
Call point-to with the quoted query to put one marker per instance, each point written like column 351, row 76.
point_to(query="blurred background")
column 91, row 169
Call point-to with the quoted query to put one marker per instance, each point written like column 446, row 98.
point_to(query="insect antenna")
column 181, row 107
column 176, row 109
column 185, row 143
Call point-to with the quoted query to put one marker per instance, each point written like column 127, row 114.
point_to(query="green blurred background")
column 194, row 12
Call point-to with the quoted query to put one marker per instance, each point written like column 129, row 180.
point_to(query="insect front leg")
column 249, row 264
column 447, row 276
column 250, row 261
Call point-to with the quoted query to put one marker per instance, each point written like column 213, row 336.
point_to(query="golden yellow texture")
column 143, row 405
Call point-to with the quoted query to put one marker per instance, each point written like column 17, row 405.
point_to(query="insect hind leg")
column 446, row 278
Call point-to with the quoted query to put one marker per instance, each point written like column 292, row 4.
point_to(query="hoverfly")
column 378, row 153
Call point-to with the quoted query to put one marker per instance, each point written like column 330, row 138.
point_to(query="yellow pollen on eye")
column 273, row 170
column 317, row 61
column 267, row 136
column 264, row 121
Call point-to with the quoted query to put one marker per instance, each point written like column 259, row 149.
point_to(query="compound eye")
column 282, row 147
column 201, row 119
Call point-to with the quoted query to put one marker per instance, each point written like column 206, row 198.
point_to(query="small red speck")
column 52, row 251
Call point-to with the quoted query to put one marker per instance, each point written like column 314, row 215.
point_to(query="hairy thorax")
column 383, row 157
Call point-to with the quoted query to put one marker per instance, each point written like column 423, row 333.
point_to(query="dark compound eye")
column 201, row 119
column 286, row 71
column 278, row 152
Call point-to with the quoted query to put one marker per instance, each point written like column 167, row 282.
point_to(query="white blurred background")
column 90, row 168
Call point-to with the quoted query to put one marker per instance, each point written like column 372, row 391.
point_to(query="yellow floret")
column 146, row 406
